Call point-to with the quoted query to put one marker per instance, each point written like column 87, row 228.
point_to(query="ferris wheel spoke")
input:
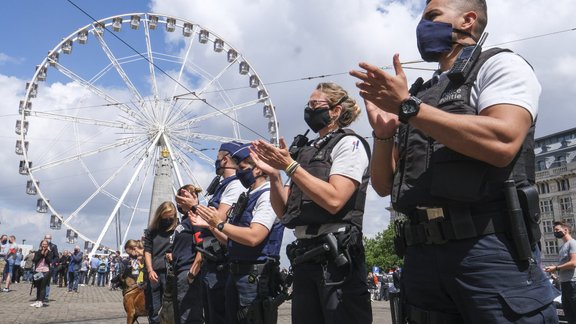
column 185, row 147
column 140, row 191
column 122, row 73
column 80, row 120
column 216, row 138
column 180, row 160
column 99, row 188
column 151, row 60
column 178, row 84
column 97, row 91
column 150, row 149
column 217, row 77
column 226, row 112
column 81, row 155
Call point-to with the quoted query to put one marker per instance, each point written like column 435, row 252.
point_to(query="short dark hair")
column 479, row 7
column 563, row 224
column 481, row 10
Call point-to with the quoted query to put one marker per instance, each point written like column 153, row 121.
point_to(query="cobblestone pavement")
column 99, row 305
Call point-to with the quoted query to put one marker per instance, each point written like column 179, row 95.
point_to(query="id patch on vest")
column 179, row 228
column 451, row 95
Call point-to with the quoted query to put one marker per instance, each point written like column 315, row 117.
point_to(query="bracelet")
column 556, row 268
column 383, row 140
column 292, row 168
column 291, row 165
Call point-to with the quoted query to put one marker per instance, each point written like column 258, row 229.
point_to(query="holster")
column 530, row 204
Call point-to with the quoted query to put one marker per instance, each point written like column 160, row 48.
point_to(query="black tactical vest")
column 428, row 174
column 301, row 210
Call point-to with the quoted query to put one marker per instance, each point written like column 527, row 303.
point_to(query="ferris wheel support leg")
column 121, row 199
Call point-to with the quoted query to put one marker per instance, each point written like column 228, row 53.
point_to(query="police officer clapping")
column 324, row 203
column 186, row 262
column 462, row 172
column 254, row 237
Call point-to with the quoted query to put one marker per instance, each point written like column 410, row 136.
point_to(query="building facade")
column 556, row 181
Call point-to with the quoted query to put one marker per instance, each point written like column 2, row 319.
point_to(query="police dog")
column 134, row 301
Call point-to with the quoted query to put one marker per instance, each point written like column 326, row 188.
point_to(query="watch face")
column 409, row 107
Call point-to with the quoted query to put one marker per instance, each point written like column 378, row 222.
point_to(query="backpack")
column 102, row 267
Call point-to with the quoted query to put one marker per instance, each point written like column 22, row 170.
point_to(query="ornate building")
column 556, row 181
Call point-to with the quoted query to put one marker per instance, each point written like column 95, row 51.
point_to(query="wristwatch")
column 409, row 108
column 220, row 226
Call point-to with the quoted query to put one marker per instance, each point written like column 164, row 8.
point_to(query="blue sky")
column 283, row 40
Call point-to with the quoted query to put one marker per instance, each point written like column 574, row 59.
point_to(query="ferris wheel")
column 116, row 96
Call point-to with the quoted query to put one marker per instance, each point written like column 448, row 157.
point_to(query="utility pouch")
column 529, row 201
column 399, row 239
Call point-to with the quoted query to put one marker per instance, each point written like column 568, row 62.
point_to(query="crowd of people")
column 455, row 154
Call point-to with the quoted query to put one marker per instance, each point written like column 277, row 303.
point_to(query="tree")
column 380, row 250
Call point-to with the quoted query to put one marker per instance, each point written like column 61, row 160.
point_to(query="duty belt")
column 246, row 268
column 440, row 225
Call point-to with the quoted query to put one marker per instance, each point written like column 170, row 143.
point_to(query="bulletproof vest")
column 271, row 245
column 301, row 210
column 429, row 174
column 215, row 200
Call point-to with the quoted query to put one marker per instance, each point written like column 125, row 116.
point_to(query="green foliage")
column 380, row 250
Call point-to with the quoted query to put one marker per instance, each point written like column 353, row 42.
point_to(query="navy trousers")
column 478, row 280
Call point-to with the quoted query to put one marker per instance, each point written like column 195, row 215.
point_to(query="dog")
column 134, row 300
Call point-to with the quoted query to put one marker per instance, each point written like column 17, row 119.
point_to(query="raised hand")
column 276, row 157
column 384, row 90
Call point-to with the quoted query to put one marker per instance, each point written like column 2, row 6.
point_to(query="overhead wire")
column 307, row 78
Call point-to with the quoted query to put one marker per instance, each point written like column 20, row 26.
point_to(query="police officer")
column 186, row 263
column 463, row 137
column 324, row 203
column 214, row 270
column 254, row 237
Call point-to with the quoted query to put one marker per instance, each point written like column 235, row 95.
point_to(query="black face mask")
column 559, row 234
column 218, row 167
column 165, row 223
column 317, row 118
column 246, row 177
column 435, row 38
column 4, row 241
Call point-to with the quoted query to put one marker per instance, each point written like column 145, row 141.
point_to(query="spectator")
column 3, row 252
column 63, row 264
column 41, row 260
column 156, row 245
column 102, row 271
column 28, row 266
column 53, row 264
column 94, row 262
column 566, row 269
column 17, row 272
column 74, row 269
column 84, row 271
column 11, row 250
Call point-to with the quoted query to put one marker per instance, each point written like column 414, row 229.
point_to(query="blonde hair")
column 165, row 207
column 134, row 244
column 336, row 95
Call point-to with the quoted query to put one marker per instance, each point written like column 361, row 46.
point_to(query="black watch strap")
column 408, row 109
column 220, row 226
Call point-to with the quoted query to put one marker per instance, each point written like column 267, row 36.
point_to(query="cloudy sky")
column 285, row 41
